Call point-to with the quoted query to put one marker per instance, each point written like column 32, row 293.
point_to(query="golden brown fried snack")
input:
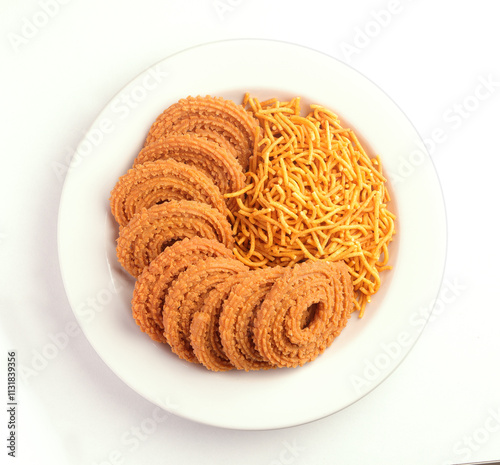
column 156, row 182
column 186, row 297
column 151, row 230
column 216, row 114
column 206, row 155
column 303, row 313
column 237, row 320
column 221, row 132
column 204, row 330
column 156, row 279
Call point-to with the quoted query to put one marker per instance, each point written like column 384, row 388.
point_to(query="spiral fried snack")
column 224, row 134
column 236, row 322
column 151, row 230
column 156, row 279
column 213, row 114
column 152, row 183
column 186, row 296
column 204, row 330
column 212, row 136
column 206, row 155
column 305, row 310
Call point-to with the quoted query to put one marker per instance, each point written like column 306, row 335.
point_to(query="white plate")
column 369, row 348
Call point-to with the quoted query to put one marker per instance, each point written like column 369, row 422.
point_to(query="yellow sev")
column 312, row 193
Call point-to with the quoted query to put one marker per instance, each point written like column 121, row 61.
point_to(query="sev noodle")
column 312, row 193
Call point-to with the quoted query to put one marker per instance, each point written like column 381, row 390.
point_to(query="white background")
column 62, row 61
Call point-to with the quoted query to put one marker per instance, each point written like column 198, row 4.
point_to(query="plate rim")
column 60, row 220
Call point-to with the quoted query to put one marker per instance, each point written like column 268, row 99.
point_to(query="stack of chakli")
column 175, row 216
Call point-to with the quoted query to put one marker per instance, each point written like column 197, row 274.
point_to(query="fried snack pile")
column 149, row 231
column 215, row 311
column 162, row 181
column 221, row 121
column 195, row 152
column 206, row 284
column 152, row 286
column 313, row 193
